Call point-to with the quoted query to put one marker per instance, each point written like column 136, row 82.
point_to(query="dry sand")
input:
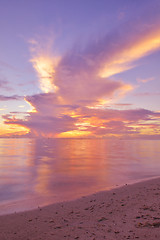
column 129, row 212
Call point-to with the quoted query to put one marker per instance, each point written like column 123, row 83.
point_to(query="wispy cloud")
column 10, row 98
column 44, row 63
column 140, row 80
column 124, row 58
column 77, row 88
column 4, row 85
column 7, row 66
column 146, row 94
column 123, row 104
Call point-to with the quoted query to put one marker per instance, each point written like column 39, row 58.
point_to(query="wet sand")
column 129, row 212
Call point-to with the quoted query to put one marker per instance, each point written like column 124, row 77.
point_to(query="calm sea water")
column 42, row 171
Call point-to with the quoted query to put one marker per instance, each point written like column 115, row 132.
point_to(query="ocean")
column 38, row 172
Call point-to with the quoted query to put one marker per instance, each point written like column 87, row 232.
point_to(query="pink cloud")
column 122, row 115
column 10, row 98
column 77, row 86
column 144, row 94
column 52, row 118
column 123, row 104
column 84, row 87
column 4, row 84
column 43, row 125
column 139, row 80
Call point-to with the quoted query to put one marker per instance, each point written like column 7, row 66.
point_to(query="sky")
column 80, row 68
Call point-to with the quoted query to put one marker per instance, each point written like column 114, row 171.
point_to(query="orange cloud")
column 76, row 89
column 8, row 129
column 123, row 59
column 44, row 63
column 45, row 68
column 139, row 80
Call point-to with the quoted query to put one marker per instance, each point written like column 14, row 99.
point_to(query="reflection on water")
column 50, row 170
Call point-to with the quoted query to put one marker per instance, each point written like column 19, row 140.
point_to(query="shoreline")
column 19, row 206
column 128, row 212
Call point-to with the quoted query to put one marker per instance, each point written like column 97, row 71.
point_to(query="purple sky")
column 80, row 68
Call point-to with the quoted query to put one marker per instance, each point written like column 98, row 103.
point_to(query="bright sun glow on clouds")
column 74, row 104
column 78, row 93
column 44, row 63
column 45, row 68
column 122, row 60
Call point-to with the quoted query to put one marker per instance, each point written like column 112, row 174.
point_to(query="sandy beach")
column 129, row 212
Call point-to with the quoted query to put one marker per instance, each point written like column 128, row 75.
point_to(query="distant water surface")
column 42, row 171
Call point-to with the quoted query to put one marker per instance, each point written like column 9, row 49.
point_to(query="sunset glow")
column 62, row 78
column 124, row 59
column 45, row 69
